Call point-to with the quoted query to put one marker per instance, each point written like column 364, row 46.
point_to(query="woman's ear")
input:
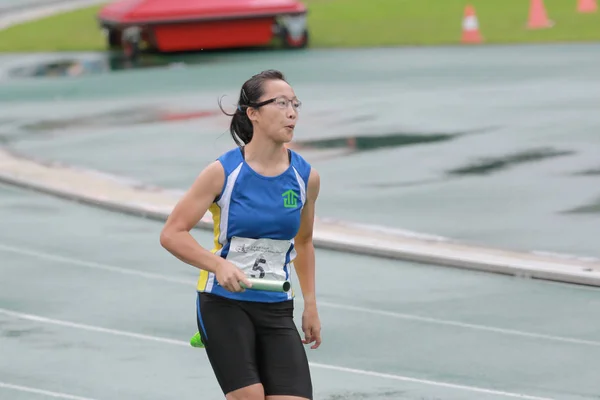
column 252, row 114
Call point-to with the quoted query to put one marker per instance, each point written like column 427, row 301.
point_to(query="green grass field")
column 71, row 31
column 352, row 23
column 344, row 23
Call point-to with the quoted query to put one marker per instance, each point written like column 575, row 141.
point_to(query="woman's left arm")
column 304, row 264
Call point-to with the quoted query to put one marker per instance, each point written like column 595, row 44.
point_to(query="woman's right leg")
column 252, row 392
column 229, row 339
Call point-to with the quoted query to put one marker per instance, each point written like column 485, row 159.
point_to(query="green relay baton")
column 268, row 285
column 257, row 284
column 196, row 341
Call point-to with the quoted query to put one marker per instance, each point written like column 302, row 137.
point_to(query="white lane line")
column 38, row 11
column 58, row 395
column 68, row 324
column 91, row 264
column 44, row 320
column 429, row 382
column 409, row 317
column 461, row 324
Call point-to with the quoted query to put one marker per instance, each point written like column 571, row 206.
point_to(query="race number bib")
column 259, row 258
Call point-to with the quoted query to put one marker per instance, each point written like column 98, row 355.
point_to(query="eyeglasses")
column 280, row 102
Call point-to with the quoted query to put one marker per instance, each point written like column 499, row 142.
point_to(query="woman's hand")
column 311, row 326
column 229, row 276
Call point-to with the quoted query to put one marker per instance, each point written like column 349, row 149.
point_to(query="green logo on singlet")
column 290, row 199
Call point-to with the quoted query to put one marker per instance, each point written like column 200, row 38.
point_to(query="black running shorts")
column 249, row 342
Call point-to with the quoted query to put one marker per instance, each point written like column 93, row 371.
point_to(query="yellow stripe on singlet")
column 215, row 210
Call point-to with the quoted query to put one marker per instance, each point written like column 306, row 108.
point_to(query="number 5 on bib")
column 258, row 267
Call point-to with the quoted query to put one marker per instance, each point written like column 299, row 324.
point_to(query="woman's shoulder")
column 306, row 171
column 230, row 160
column 299, row 162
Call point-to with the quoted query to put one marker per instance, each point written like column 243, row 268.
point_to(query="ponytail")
column 240, row 127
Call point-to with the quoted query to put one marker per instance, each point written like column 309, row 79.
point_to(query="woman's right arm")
column 175, row 236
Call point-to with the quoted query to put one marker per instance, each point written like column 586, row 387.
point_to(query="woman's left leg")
column 281, row 357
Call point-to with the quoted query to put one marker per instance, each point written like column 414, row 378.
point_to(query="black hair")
column 241, row 128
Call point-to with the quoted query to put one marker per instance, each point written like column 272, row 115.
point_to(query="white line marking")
column 91, row 264
column 32, row 13
column 92, row 328
column 126, row 271
column 68, row 324
column 460, row 324
column 4, row 385
column 428, row 382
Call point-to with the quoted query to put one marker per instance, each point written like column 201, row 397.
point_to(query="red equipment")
column 183, row 25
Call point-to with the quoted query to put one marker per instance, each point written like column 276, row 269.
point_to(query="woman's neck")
column 266, row 156
column 265, row 151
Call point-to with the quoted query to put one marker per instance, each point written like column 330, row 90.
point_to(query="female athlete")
column 262, row 198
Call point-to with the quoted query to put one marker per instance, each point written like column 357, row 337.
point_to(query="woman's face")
column 278, row 118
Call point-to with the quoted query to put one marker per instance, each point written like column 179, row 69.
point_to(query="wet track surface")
column 496, row 145
column 91, row 306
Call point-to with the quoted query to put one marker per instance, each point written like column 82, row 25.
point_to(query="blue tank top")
column 255, row 220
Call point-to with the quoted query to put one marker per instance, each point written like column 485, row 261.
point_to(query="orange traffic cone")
column 537, row 15
column 587, row 6
column 470, row 27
